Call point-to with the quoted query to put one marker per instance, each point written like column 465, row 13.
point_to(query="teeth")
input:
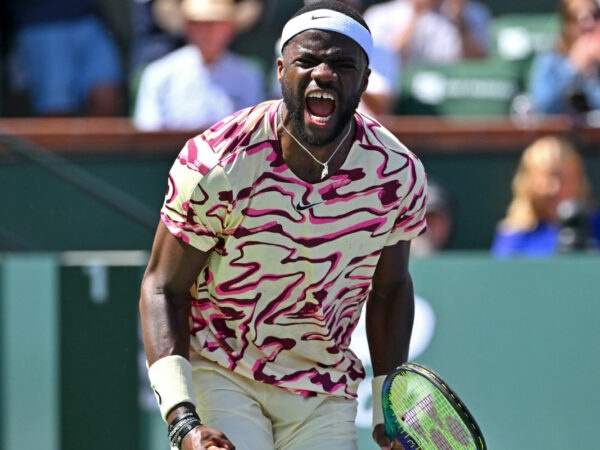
column 324, row 95
column 319, row 119
column 321, row 95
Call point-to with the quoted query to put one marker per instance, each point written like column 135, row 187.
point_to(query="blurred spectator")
column 384, row 81
column 65, row 58
column 157, row 29
column 196, row 85
column 356, row 4
column 414, row 30
column 473, row 20
column 567, row 79
column 551, row 208
column 380, row 95
column 428, row 32
column 440, row 221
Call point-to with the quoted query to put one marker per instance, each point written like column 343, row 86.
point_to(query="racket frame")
column 394, row 428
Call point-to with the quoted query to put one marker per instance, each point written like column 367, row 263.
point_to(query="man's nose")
column 323, row 72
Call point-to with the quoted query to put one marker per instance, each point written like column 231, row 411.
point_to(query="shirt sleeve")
column 411, row 222
column 198, row 197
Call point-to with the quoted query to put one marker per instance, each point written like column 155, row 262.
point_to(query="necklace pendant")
column 325, row 172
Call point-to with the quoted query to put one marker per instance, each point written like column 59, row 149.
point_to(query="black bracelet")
column 177, row 428
column 181, row 417
column 178, row 423
column 185, row 429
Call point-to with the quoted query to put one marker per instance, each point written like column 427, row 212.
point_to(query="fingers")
column 222, row 445
column 381, row 438
column 206, row 438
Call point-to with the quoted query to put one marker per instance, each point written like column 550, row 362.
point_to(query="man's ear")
column 279, row 69
column 365, row 80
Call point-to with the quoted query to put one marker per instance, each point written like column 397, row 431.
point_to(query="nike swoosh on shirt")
column 301, row 207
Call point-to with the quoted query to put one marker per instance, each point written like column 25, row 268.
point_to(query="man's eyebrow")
column 332, row 54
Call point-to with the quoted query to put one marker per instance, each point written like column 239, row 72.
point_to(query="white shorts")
column 259, row 416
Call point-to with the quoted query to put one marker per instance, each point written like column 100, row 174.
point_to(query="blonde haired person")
column 550, row 184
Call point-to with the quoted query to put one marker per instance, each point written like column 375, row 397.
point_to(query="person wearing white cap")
column 279, row 224
column 198, row 84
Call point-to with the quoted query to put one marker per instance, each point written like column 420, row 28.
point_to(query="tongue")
column 320, row 107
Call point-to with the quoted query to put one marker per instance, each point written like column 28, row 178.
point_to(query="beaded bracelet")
column 177, row 428
column 182, row 425
column 187, row 427
column 180, row 418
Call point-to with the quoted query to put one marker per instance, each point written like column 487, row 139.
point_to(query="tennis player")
column 279, row 223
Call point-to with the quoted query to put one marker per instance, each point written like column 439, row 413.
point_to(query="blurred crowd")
column 68, row 57
column 184, row 64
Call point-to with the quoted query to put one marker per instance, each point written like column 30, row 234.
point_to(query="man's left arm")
column 389, row 321
column 390, row 309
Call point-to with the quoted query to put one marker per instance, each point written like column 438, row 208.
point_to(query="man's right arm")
column 164, row 311
column 165, row 295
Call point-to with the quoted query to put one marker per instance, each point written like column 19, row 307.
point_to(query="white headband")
column 329, row 20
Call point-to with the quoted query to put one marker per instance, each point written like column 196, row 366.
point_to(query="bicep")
column 174, row 265
column 165, row 295
column 392, row 268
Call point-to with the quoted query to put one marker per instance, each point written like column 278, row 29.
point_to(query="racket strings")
column 423, row 411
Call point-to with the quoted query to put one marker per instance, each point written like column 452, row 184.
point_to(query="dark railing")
column 464, row 153
column 84, row 136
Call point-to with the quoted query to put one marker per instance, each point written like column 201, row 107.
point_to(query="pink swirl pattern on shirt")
column 292, row 261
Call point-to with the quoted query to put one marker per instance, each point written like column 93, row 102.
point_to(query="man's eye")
column 305, row 62
column 346, row 66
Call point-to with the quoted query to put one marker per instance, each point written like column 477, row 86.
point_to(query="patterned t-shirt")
column 291, row 262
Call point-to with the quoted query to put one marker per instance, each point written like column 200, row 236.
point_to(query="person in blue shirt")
column 567, row 78
column 69, row 62
column 551, row 209
column 193, row 86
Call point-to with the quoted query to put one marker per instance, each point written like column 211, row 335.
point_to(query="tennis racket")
column 422, row 412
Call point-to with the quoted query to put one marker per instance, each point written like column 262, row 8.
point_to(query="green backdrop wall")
column 517, row 340
column 47, row 213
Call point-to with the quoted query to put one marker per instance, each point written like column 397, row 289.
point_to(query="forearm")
column 165, row 322
column 389, row 321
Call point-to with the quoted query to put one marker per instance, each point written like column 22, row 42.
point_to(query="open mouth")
column 320, row 106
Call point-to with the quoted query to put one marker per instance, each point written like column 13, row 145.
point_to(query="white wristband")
column 377, row 392
column 171, row 381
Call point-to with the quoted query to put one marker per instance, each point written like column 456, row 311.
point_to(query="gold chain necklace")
column 325, row 165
